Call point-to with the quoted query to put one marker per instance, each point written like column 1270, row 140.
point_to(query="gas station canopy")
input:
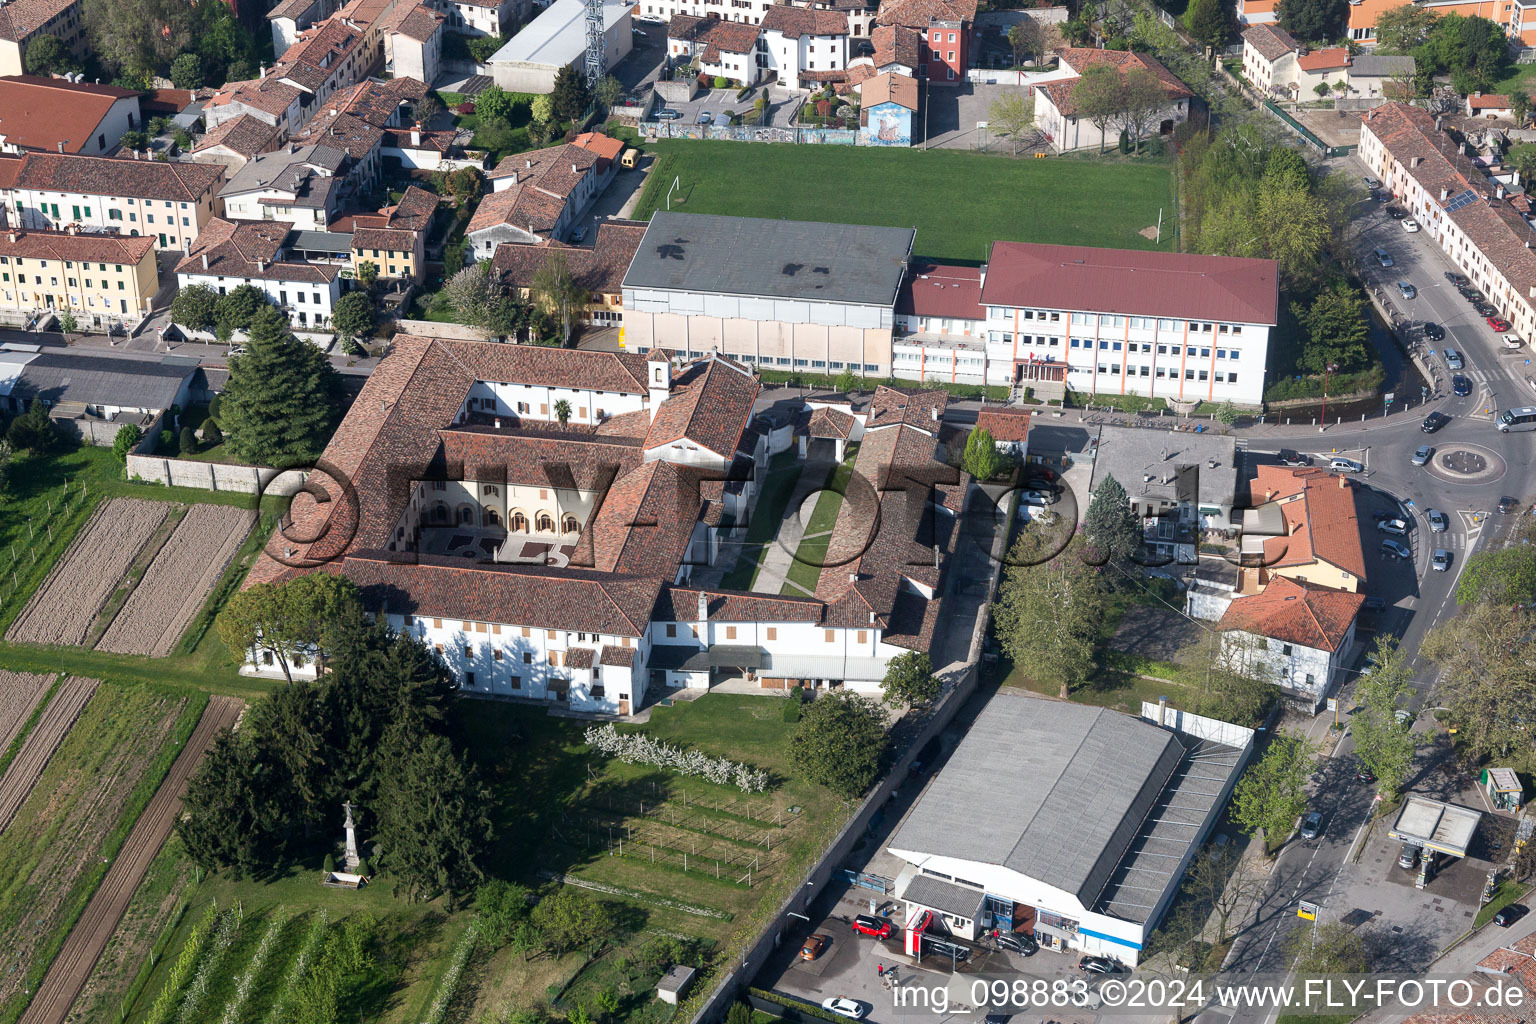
column 1446, row 828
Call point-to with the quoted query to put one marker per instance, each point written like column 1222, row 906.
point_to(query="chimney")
column 935, row 413
column 1343, row 483
column 703, row 616
column 13, row 236
column 1445, row 194
column 574, row 168
column 1269, row 494
column 415, row 137
column 871, row 618
column 186, row 246
column 261, row 264
column 853, row 577
column 1498, row 193
column 263, row 73
column 527, row 163
column 1162, row 710
column 1414, row 161
column 1439, row 124
column 205, row 261
column 61, row 147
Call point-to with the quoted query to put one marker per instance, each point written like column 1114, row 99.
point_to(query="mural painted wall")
column 886, row 124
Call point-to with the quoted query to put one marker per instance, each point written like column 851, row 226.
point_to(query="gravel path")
column 19, row 694
column 72, row 967
column 57, row 719
column 62, row 610
column 178, row 581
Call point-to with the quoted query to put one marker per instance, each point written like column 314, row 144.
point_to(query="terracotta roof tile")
column 1062, row 93
column 1487, row 101
column 616, row 657
column 681, row 604
column 919, row 14
column 1005, row 424
column 828, row 422
column 897, row 44
column 1272, row 41
column 921, row 409
column 125, row 249
column 710, row 405
column 580, row 657
column 1324, row 60
column 21, row 18
column 270, row 95
column 598, row 269
column 804, row 21
column 107, row 176
column 42, row 113
column 250, row 248
column 1321, row 516
column 383, row 239
column 245, row 135
column 939, row 290
column 1297, row 613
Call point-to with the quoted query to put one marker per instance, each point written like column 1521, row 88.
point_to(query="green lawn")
column 960, row 202
column 1508, row 892
column 805, row 570
column 772, row 500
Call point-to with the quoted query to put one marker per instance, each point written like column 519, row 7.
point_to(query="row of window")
column 68, row 264
column 1139, row 323
column 815, row 364
column 1167, row 373
column 516, row 683
column 74, row 300
column 53, row 282
column 770, row 633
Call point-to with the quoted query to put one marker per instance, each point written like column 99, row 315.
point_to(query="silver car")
column 1453, row 359
column 1441, row 560
column 1396, row 527
column 1395, row 549
column 1439, row 522
column 1423, row 454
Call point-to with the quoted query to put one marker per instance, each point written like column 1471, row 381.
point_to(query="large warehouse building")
column 557, row 38
column 779, row 294
column 1072, row 823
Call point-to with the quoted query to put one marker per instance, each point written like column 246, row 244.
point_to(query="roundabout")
column 1458, row 462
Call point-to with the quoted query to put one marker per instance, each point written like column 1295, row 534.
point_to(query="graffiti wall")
column 752, row 133
column 887, row 124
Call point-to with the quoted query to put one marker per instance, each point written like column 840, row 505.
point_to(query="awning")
column 1434, row 825
column 736, row 656
column 944, row 897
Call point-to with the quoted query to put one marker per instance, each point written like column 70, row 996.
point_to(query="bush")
column 166, row 440
column 743, row 92
column 188, row 440
column 212, row 435
column 363, row 866
column 128, row 437
column 721, row 82
column 329, row 864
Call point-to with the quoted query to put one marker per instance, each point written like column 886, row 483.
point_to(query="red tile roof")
column 618, row 657
column 623, row 372
column 42, row 113
column 599, row 269
column 20, row 18
column 1063, row 93
column 1297, row 613
column 890, row 88
column 128, row 250
column 268, row 95
column 580, row 657
column 1138, row 283
column 921, row 409
column 919, row 14
column 414, row 21
column 1324, row 60
column 1272, row 41
column 1004, row 424
column 710, row 405
column 681, row 604
column 607, row 148
column 250, row 248
column 383, row 239
column 543, row 180
column 245, row 135
column 1322, row 518
column 827, row 422
column 941, row 290
column 1487, row 101
column 715, row 34
column 804, row 21
column 896, row 44
column 106, row 176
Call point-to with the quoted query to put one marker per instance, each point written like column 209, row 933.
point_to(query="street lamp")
column 1322, row 423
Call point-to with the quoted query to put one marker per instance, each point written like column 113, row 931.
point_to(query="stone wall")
column 213, row 476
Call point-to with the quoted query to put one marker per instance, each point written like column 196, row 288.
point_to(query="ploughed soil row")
column 62, row 610
column 178, row 581
column 57, row 719
column 19, row 694
column 72, row 967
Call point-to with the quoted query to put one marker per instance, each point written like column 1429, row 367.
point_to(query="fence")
column 750, row 133
column 1306, row 133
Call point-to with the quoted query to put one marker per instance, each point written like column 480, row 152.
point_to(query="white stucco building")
column 231, row 253
column 555, row 39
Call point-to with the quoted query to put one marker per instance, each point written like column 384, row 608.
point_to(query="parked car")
column 1370, row 182
column 1460, row 385
column 703, row 118
column 1498, row 323
column 1395, row 549
column 1290, row 457
column 1512, row 341
column 667, row 114
column 1099, row 965
column 1396, row 527
column 1040, row 497
column 1410, row 225
column 1364, row 774
column 1483, row 309
column 1469, row 293
column 866, row 925
column 1379, row 514
column 815, row 946
column 1422, row 454
column 1439, row 522
column 1020, row 943
column 1382, row 257
column 1396, row 212
column 1339, row 464
column 1433, row 331
column 1441, row 560
column 1455, row 279
column 844, row 1007
column 577, row 234
column 1507, row 505
column 1405, row 289
column 1375, row 603
column 1312, row 825
column 1509, row 915
column 1408, row 856
column 638, row 31
column 1453, row 359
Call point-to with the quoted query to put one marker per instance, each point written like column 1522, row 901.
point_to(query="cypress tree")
column 277, row 405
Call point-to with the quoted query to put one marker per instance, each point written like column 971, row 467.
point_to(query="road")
column 1325, row 871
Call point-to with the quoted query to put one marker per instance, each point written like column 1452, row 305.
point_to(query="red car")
column 1498, row 323
column 872, row 926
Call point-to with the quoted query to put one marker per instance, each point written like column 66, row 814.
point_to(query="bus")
column 1523, row 418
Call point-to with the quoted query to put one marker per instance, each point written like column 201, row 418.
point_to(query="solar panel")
column 1461, row 199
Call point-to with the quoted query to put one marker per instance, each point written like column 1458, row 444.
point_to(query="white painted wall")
column 307, row 304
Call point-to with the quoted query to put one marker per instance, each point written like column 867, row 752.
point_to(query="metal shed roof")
column 1445, row 827
column 59, row 377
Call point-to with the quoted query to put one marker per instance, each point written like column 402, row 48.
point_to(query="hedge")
column 991, row 392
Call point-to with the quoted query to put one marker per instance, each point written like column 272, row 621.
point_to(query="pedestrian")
column 880, row 970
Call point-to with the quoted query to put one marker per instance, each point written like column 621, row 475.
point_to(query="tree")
column 1503, row 575
column 212, row 435
column 287, row 620
column 1211, row 23
column 570, row 919
column 1012, row 114
column 1402, row 30
column 67, row 323
column 847, row 382
column 569, row 98
column 126, row 440
column 473, row 294
column 368, row 275
column 1384, row 743
column 464, row 183
column 1487, row 657
column 838, row 742
column 433, row 817
column 1523, row 157
column 1099, row 96
column 195, row 307
column 454, row 258
column 1320, row 89
column 1271, row 795
column 1111, row 525
column 277, row 408
column 1332, row 948
column 542, row 110
column 557, row 293
column 981, row 459
column 495, row 102
column 236, row 310
column 909, row 680
column 1021, row 39
column 47, row 55
column 235, row 810
column 1143, row 102
column 133, row 140
column 609, row 91
column 1336, row 329
column 187, row 72
column 429, row 106
column 563, row 412
column 139, row 35
column 1050, row 607
column 1224, row 880
column 33, row 430
column 1520, row 106
column 1472, row 50
column 353, row 315
column 502, row 907
column 1314, row 21
column 186, row 441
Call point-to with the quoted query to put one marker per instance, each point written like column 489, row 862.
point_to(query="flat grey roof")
column 98, row 380
column 945, row 897
column 556, row 37
column 1439, row 826
column 320, row 241
column 1132, row 453
column 788, row 259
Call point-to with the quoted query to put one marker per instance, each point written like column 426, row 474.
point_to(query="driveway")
column 638, row 69
column 948, row 120
column 782, row 104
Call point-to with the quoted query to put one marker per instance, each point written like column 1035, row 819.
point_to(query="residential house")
column 1277, row 65
column 289, row 17
column 484, row 17
column 23, row 21
column 716, row 47
column 233, row 142
column 1269, row 58
column 946, row 27
column 557, row 39
column 1490, row 105
column 1297, row 635
column 102, row 279
column 56, row 115
column 801, row 39
column 535, row 196
column 232, row 253
column 1009, row 427
column 362, row 143
column 394, row 240
column 299, row 185
column 772, row 293
column 267, row 99
column 1056, row 111
column 1180, row 485
column 889, row 104
column 898, row 50
column 1319, row 71
column 1388, row 76
column 598, row 269
column 169, row 202
column 1469, row 215
column 1305, row 525
column 413, row 42
column 324, row 59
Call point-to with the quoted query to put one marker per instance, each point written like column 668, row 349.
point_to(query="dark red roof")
column 1133, row 282
column 1297, row 613
column 1004, row 424
column 940, row 290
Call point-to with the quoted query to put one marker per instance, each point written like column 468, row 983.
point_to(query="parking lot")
column 782, row 105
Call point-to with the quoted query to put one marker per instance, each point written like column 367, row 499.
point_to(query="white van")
column 1339, row 464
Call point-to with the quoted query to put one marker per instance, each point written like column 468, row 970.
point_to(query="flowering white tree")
column 640, row 748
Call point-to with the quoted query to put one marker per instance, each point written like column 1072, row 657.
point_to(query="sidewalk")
column 778, row 556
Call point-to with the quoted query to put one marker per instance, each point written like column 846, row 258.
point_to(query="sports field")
column 959, row 202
